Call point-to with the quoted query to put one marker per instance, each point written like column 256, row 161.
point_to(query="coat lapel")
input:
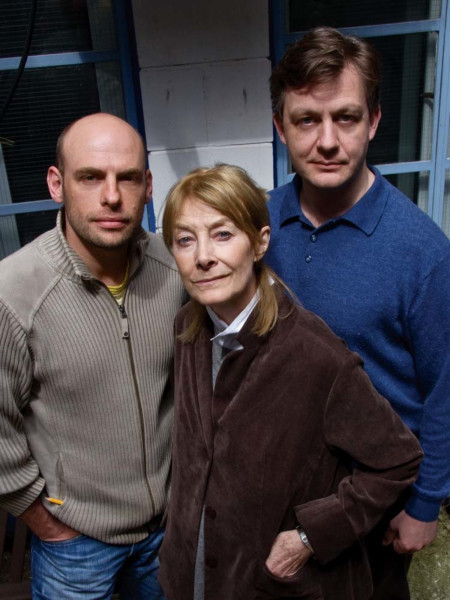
column 203, row 368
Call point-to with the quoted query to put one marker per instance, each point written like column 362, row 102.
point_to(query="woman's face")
column 215, row 258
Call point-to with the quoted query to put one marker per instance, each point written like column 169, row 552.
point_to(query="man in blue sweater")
column 361, row 255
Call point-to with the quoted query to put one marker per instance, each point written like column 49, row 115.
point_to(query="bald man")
column 86, row 315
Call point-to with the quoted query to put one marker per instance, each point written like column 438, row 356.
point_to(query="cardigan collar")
column 64, row 259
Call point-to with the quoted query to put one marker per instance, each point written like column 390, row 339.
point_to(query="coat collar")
column 236, row 367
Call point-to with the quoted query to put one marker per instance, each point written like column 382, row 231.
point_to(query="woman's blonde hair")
column 231, row 191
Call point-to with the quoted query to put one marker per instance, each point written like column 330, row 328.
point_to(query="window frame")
column 125, row 56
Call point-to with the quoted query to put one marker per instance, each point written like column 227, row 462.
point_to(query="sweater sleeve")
column 429, row 336
column 20, row 482
column 359, row 423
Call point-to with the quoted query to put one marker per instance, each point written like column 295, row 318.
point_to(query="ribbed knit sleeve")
column 20, row 482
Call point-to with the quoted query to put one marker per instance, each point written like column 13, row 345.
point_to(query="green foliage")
column 429, row 576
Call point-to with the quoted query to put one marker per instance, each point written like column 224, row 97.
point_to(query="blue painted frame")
column 439, row 161
column 62, row 59
column 123, row 55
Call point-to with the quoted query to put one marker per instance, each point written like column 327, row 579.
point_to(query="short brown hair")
column 319, row 57
column 231, row 191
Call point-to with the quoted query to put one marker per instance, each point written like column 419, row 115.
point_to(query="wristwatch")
column 304, row 538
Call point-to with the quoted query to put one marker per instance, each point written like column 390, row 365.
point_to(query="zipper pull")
column 124, row 322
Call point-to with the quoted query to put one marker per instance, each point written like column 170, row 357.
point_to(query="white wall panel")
column 168, row 167
column 210, row 104
column 238, row 102
column 204, row 69
column 174, row 107
column 175, row 32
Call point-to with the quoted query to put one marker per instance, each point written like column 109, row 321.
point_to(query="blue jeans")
column 85, row 569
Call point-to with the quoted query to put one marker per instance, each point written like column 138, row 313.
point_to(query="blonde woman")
column 284, row 455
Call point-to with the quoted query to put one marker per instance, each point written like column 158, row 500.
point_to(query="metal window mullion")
column 27, row 207
column 280, row 29
column 279, row 11
column 125, row 60
column 380, row 30
column 416, row 166
column 148, row 220
column 442, row 121
column 61, row 59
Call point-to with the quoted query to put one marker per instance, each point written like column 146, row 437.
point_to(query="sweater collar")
column 365, row 214
column 54, row 246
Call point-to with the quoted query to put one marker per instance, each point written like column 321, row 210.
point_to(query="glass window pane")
column 304, row 14
column 67, row 26
column 17, row 230
column 448, row 144
column 446, row 215
column 407, row 91
column 413, row 185
column 30, row 225
column 45, row 102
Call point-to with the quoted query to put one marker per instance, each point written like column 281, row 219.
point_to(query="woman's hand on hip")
column 288, row 554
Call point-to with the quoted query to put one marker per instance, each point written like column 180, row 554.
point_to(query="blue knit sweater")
column 380, row 277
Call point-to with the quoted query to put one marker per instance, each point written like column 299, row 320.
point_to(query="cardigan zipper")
column 126, row 336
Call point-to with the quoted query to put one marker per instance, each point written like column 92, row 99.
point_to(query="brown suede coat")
column 294, row 433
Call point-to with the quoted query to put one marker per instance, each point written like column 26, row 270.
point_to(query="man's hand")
column 44, row 525
column 288, row 554
column 409, row 535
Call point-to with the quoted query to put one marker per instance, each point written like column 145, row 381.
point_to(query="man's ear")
column 148, row 186
column 264, row 236
column 278, row 122
column 374, row 121
column 55, row 184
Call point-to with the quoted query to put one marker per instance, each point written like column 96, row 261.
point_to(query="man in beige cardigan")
column 86, row 314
